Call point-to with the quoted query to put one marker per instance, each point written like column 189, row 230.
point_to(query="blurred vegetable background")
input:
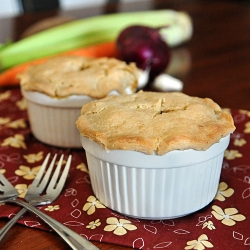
column 94, row 37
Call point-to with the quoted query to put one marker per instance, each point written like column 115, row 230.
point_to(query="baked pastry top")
column 62, row 76
column 154, row 122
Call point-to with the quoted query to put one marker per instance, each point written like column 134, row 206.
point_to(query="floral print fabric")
column 223, row 224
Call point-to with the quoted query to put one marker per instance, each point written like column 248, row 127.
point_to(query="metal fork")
column 9, row 194
column 38, row 186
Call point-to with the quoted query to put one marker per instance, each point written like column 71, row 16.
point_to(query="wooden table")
column 216, row 64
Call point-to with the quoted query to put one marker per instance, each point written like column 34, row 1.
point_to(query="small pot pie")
column 154, row 155
column 57, row 89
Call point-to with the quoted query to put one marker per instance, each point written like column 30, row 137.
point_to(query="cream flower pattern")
column 239, row 142
column 200, row 244
column 2, row 171
column 82, row 167
column 17, row 141
column 22, row 104
column 5, row 95
column 119, row 227
column 4, row 120
column 247, row 128
column 245, row 112
column 91, row 205
column 63, row 162
column 232, row 154
column 228, row 217
column 94, row 224
column 17, row 124
column 52, row 208
column 21, row 189
column 27, row 172
column 31, row 158
column 208, row 224
column 223, row 191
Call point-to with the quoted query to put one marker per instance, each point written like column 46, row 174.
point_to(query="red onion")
column 144, row 46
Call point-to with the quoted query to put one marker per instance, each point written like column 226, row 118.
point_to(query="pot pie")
column 63, row 76
column 57, row 89
column 154, row 155
column 152, row 122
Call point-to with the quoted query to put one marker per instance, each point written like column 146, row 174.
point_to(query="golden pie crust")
column 63, row 76
column 154, row 122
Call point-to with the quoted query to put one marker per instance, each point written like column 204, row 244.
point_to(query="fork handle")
column 74, row 240
column 4, row 230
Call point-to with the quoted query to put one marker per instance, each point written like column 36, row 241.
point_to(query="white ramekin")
column 52, row 120
column 151, row 186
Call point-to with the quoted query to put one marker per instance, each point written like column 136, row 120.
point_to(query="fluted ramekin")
column 52, row 120
column 151, row 186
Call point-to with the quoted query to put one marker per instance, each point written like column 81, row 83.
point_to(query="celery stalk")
column 22, row 56
column 89, row 31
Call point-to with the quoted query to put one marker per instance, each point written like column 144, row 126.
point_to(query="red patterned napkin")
column 223, row 224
